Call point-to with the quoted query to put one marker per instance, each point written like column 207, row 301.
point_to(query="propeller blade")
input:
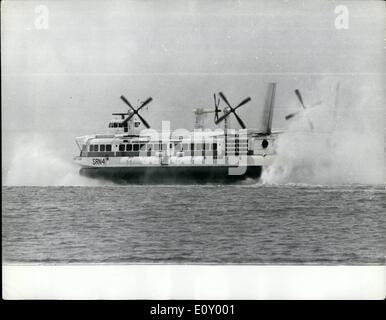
column 225, row 99
column 143, row 121
column 337, row 93
column 310, row 123
column 291, row 115
column 297, row 92
column 222, row 117
column 315, row 104
column 127, row 102
column 242, row 124
column 336, row 102
column 243, row 102
column 128, row 118
column 216, row 108
column 145, row 103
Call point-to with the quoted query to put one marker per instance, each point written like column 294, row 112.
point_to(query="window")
column 214, row 146
column 135, row 147
column 103, row 147
column 149, row 146
column 164, row 147
column 198, row 146
column 96, row 147
column 91, row 147
column 207, row 146
column 115, row 125
column 121, row 147
column 142, row 146
column 129, row 147
column 264, row 144
column 108, row 147
column 185, row 146
column 156, row 146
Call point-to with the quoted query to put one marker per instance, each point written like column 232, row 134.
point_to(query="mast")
column 226, row 139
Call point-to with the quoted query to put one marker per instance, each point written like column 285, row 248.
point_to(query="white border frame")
column 193, row 282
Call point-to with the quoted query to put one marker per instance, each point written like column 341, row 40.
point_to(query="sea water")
column 250, row 222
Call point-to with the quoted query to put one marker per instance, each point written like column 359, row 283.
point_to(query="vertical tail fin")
column 268, row 107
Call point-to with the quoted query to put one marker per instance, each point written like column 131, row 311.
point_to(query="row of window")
column 100, row 147
column 153, row 147
column 117, row 125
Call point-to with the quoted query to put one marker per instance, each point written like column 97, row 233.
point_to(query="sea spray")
column 345, row 146
column 33, row 162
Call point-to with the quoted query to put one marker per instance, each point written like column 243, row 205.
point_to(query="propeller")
column 135, row 111
column 300, row 98
column 216, row 107
column 233, row 110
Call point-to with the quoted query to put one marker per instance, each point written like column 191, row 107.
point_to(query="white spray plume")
column 34, row 163
column 346, row 145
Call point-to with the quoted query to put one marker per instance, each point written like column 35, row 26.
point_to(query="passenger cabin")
column 210, row 146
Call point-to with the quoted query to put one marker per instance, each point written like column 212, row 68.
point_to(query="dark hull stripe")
column 167, row 175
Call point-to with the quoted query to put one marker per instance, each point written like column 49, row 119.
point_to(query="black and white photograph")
column 230, row 141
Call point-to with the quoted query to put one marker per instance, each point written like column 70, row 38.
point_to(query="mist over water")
column 346, row 144
column 37, row 163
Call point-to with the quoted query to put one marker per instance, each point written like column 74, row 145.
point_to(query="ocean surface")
column 244, row 223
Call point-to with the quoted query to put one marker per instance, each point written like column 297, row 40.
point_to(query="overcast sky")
column 65, row 81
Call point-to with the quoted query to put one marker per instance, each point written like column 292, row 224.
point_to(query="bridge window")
column 142, row 146
column 91, row 147
column 121, row 147
column 149, row 146
column 108, row 147
column 96, row 147
column 129, row 147
column 135, row 147
column 103, row 147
